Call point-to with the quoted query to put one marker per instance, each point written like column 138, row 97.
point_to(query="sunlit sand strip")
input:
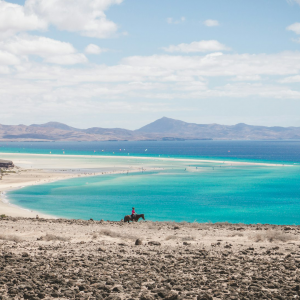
column 150, row 158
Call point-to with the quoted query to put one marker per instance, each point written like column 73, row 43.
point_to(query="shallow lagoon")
column 177, row 190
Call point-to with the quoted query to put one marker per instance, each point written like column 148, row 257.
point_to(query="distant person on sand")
column 132, row 213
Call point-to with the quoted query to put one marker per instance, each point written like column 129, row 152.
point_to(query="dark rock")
column 167, row 294
column 204, row 297
column 138, row 242
column 154, row 243
column 146, row 297
column 113, row 297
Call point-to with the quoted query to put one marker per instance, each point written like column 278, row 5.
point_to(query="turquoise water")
column 266, row 151
column 202, row 192
column 179, row 190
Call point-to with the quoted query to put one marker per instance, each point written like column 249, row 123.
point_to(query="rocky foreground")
column 75, row 259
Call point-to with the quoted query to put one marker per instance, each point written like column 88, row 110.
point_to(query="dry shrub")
column 273, row 235
column 171, row 237
column 194, row 225
column 110, row 233
column 236, row 234
column 51, row 237
column 12, row 238
column 114, row 234
column 155, row 225
column 188, row 238
column 169, row 223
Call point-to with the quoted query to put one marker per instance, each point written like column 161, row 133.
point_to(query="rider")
column 132, row 213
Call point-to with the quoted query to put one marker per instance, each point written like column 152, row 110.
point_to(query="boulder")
column 138, row 242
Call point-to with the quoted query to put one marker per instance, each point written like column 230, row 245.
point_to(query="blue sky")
column 114, row 63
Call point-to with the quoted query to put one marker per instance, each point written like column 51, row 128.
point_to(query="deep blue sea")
column 181, row 190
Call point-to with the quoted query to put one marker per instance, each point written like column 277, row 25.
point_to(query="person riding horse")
column 133, row 213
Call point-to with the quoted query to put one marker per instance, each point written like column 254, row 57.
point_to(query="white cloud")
column 294, row 1
column 285, row 63
column 94, row 49
column 70, row 59
column 15, row 18
column 52, row 51
column 46, row 88
column 37, row 45
column 7, row 58
column 247, row 78
column 291, row 79
column 86, row 17
column 201, row 46
column 177, row 21
column 294, row 27
column 211, row 23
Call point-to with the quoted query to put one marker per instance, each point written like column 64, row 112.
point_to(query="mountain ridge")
column 161, row 129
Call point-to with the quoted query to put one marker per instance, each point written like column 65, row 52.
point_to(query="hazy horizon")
column 142, row 125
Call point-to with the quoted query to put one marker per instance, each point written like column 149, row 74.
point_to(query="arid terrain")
column 77, row 259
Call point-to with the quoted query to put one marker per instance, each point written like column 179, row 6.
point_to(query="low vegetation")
column 114, row 234
column 51, row 237
column 171, row 237
column 12, row 238
column 272, row 236
column 188, row 238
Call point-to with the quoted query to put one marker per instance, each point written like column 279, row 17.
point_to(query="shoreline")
column 23, row 177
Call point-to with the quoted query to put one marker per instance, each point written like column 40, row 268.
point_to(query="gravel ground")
column 76, row 259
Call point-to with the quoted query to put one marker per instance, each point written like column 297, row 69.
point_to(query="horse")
column 135, row 218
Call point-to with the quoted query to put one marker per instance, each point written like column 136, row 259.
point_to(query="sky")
column 126, row 63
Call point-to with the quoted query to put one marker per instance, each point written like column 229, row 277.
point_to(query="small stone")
column 146, row 297
column 204, row 297
column 138, row 242
column 118, row 289
column 154, row 243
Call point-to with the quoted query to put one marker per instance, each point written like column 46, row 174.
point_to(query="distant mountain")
column 162, row 129
column 56, row 125
column 175, row 128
